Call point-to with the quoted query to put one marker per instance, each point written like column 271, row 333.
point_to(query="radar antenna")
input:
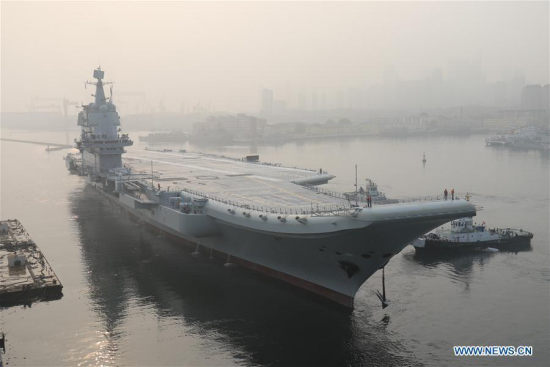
column 99, row 94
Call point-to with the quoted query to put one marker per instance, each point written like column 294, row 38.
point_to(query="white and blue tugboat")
column 464, row 234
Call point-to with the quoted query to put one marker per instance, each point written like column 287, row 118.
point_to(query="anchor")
column 382, row 296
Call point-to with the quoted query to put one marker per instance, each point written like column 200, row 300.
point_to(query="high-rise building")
column 341, row 99
column 235, row 126
column 314, row 102
column 545, row 98
column 436, row 76
column 267, row 102
column 531, row 97
column 301, row 101
column 279, row 106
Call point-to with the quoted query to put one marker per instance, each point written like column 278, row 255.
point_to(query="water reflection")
column 461, row 264
column 258, row 320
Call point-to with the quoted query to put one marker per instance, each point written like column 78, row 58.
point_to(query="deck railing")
column 345, row 207
column 415, row 199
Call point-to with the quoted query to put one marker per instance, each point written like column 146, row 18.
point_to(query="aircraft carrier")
column 267, row 217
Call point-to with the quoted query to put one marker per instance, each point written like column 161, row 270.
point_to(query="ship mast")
column 99, row 95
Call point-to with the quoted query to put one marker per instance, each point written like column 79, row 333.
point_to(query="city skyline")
column 218, row 56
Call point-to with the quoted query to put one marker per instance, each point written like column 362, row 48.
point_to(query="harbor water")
column 132, row 297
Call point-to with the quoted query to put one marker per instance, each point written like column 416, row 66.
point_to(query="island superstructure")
column 267, row 217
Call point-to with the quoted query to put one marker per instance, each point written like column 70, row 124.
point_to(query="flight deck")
column 259, row 185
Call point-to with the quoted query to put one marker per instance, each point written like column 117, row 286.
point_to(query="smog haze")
column 222, row 54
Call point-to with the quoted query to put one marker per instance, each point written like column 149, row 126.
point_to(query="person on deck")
column 452, row 194
column 446, row 194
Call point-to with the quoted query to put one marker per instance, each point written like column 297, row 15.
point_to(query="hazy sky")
column 224, row 52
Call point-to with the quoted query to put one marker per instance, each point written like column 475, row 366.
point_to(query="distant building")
column 355, row 96
column 239, row 126
column 314, row 102
column 503, row 123
column 545, row 97
column 301, row 101
column 531, row 97
column 267, row 102
column 437, row 76
column 279, row 106
column 535, row 102
column 341, row 100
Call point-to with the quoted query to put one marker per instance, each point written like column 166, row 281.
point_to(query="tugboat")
column 464, row 235
column 370, row 189
column 530, row 137
column 499, row 140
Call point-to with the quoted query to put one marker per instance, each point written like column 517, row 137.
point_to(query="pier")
column 53, row 145
column 25, row 274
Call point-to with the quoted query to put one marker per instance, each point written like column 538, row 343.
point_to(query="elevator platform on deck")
column 25, row 274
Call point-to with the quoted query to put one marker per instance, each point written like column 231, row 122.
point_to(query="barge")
column 25, row 274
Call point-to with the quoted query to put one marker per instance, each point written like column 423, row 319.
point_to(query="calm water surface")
column 132, row 298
